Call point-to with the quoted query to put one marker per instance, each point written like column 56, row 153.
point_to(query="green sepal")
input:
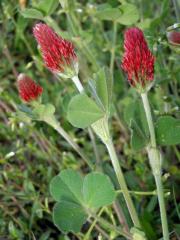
column 38, row 112
column 25, row 114
column 137, row 234
column 44, row 111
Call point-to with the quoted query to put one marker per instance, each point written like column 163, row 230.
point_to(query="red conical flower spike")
column 28, row 89
column 138, row 61
column 58, row 54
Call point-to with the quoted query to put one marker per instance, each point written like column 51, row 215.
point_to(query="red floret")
column 28, row 89
column 138, row 61
column 57, row 52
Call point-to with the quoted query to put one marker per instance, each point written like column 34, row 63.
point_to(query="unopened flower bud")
column 28, row 89
column 173, row 37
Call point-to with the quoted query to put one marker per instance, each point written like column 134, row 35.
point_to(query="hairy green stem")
column 115, row 162
column 73, row 144
column 120, row 215
column 80, row 88
column 162, row 206
column 78, row 84
column 93, row 140
column 105, row 137
column 155, row 162
column 149, row 119
column 110, row 226
column 102, row 232
column 139, row 193
column 122, row 183
column 87, row 236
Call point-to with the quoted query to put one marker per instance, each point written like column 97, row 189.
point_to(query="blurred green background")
column 32, row 153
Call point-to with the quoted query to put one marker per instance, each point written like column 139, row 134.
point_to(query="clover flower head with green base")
column 138, row 61
column 58, row 54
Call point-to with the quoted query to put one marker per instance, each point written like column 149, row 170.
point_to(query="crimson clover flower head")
column 58, row 54
column 138, row 61
column 28, row 89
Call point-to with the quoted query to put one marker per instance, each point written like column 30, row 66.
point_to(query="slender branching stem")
column 161, row 200
column 155, row 162
column 102, row 232
column 122, row 183
column 78, row 84
column 149, row 119
column 109, row 226
column 72, row 143
column 93, row 223
column 120, row 214
column 112, row 153
column 95, row 148
column 140, row 193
